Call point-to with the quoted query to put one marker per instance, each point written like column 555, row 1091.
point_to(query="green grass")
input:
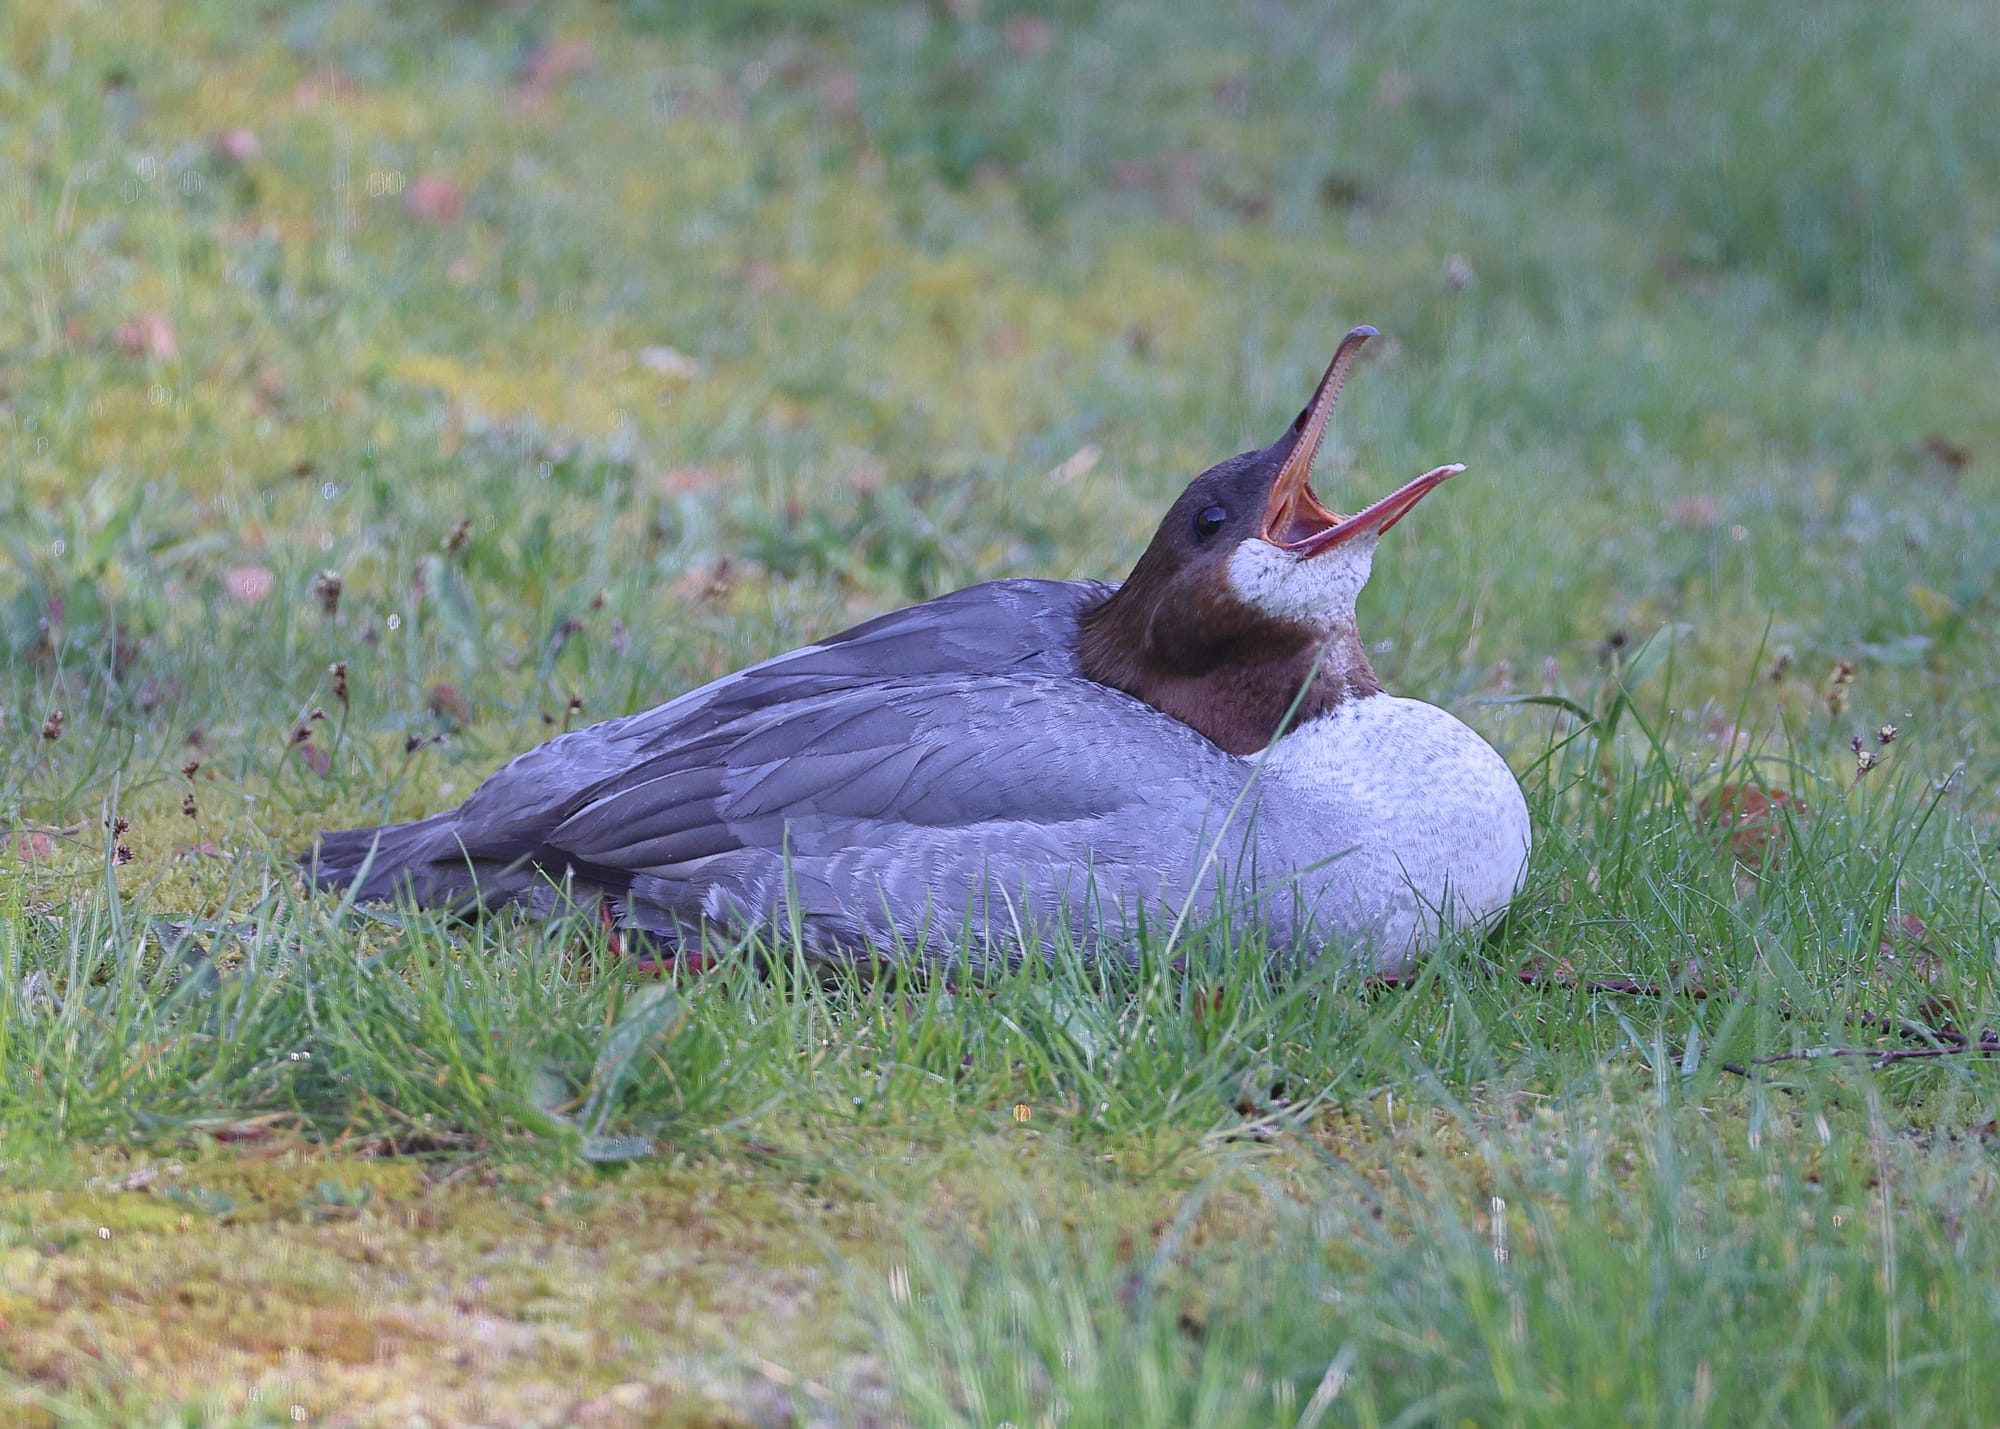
column 1705, row 296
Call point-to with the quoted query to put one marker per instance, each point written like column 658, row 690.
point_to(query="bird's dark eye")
column 1210, row 521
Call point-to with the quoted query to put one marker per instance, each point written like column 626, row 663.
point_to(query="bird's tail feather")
column 422, row 860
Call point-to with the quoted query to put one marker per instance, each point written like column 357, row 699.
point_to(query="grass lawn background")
column 534, row 363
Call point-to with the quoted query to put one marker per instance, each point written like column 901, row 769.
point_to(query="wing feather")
column 929, row 795
column 930, row 764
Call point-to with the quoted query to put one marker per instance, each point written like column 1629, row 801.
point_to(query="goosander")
column 956, row 780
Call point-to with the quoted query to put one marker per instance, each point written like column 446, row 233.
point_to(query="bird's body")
column 948, row 767
column 967, row 777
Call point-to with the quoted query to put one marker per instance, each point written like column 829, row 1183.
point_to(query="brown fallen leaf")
column 148, row 335
column 688, row 480
column 1905, row 928
column 248, row 585
column 447, row 703
column 434, row 198
column 1753, row 818
column 1950, row 454
column 32, row 847
column 238, row 146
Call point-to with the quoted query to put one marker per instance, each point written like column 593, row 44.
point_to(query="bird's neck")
column 1242, row 693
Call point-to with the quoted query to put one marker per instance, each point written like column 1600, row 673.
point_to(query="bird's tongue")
column 1298, row 520
column 1295, row 516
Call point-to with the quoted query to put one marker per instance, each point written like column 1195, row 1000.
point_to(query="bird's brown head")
column 1239, row 618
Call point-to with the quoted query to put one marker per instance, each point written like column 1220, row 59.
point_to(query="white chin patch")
column 1320, row 591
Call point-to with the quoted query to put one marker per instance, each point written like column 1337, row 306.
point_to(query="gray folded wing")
column 901, row 810
column 1009, row 626
column 940, row 767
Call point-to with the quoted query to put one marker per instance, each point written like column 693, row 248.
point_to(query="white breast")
column 1424, row 823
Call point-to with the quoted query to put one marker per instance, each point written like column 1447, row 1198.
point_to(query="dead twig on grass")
column 1946, row 1044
